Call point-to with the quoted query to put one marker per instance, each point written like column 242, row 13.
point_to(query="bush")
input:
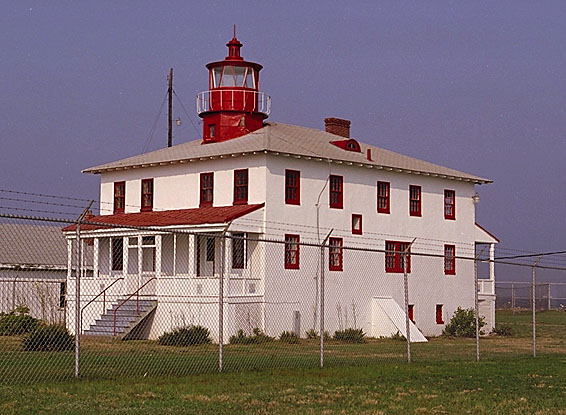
column 17, row 322
column 463, row 324
column 312, row 334
column 256, row 338
column 49, row 338
column 350, row 336
column 503, row 330
column 289, row 337
column 185, row 336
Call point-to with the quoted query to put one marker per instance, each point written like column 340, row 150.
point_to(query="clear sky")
column 479, row 86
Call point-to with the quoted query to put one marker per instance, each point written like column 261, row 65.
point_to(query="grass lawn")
column 278, row 378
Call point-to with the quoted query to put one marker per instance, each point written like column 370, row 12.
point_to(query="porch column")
column 125, row 255
column 158, row 254
column 491, row 263
column 69, row 258
column 95, row 253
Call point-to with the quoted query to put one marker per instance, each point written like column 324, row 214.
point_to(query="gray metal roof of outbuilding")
column 285, row 139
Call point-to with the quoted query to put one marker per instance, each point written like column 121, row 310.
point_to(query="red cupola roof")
column 233, row 106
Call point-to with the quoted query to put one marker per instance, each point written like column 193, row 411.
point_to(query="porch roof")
column 196, row 216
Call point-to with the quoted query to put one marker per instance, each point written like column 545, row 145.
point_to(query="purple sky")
column 477, row 86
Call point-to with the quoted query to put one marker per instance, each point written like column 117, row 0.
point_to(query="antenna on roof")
column 234, row 30
column 170, row 120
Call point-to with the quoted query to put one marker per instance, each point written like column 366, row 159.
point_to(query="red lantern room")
column 233, row 105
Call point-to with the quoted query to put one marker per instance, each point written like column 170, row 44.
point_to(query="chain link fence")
column 135, row 301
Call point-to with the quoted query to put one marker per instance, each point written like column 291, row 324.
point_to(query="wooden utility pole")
column 170, row 121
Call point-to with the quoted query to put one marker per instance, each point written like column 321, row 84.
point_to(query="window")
column 383, row 197
column 119, row 197
column 449, row 260
column 394, row 256
column 449, row 204
column 336, row 195
column 212, row 130
column 210, row 245
column 238, row 251
column 206, row 189
column 241, row 187
column 412, row 312
column 292, row 187
column 335, row 254
column 117, row 254
column 291, row 251
column 147, row 195
column 62, row 294
column 439, row 319
column 148, row 253
column 356, row 224
column 414, row 200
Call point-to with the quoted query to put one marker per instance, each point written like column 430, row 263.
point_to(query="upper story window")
column 335, row 254
column 415, row 200
column 292, row 187
column 291, row 251
column 394, row 256
column 356, row 224
column 383, row 197
column 449, row 204
column 146, row 195
column 119, row 197
column 206, row 189
column 336, row 192
column 449, row 260
column 241, row 187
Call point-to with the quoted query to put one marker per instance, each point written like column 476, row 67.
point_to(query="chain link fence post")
column 322, row 305
column 406, row 294
column 534, row 305
column 221, row 302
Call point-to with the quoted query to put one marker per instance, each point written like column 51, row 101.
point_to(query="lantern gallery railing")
column 233, row 100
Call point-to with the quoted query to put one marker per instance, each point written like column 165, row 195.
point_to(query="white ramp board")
column 388, row 318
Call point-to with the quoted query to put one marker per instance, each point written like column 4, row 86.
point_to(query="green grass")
column 280, row 378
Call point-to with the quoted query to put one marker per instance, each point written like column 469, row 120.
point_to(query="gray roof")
column 277, row 138
column 31, row 245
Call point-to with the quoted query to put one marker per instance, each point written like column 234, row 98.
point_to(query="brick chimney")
column 337, row 126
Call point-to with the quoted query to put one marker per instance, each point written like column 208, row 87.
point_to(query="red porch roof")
column 198, row 216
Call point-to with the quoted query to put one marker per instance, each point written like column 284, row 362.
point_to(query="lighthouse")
column 233, row 105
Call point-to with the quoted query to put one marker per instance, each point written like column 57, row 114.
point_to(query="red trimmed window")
column 119, row 197
column 206, row 189
column 412, row 312
column 356, row 224
column 336, row 192
column 238, row 251
column 383, row 197
column 147, row 195
column 241, row 187
column 394, row 256
column 292, row 187
column 415, row 200
column 335, row 254
column 439, row 319
column 449, row 204
column 291, row 251
column 449, row 259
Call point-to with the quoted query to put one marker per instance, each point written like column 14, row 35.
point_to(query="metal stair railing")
column 103, row 293
column 137, row 294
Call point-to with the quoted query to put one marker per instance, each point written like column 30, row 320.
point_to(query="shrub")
column 49, row 338
column 312, row 334
column 503, row 330
column 463, row 324
column 289, row 337
column 350, row 336
column 185, row 336
column 256, row 338
column 17, row 322
column 398, row 336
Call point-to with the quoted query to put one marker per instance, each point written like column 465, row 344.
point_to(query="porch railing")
column 137, row 294
column 103, row 293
